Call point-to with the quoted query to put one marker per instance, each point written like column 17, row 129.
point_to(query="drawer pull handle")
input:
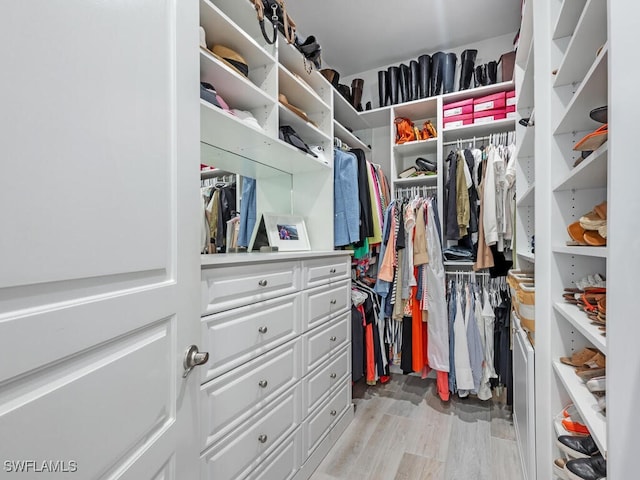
column 262, row 438
column 262, row 329
column 333, row 375
column 263, row 383
column 263, row 283
column 333, row 338
column 333, row 270
column 333, row 301
column 333, row 413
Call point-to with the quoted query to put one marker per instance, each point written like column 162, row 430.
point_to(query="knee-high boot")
column 437, row 65
column 393, row 74
column 467, row 62
column 414, row 80
column 449, row 72
column 424, row 63
column 383, row 93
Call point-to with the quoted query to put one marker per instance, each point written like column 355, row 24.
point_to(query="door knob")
column 193, row 358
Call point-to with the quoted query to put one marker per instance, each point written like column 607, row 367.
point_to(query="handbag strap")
column 289, row 24
column 274, row 21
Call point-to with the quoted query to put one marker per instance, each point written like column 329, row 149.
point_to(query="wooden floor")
column 402, row 431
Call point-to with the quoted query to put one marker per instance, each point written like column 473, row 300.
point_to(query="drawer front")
column 317, row 385
column 283, row 463
column 236, row 336
column 324, row 270
column 322, row 302
column 321, row 343
column 230, row 287
column 233, row 397
column 236, row 455
column 318, row 424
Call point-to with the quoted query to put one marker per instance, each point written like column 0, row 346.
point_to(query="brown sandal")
column 580, row 358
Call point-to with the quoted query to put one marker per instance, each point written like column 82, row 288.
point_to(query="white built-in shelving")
column 590, row 173
column 339, row 131
column 585, row 326
column 568, row 17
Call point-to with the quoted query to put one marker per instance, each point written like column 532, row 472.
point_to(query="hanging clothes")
column 247, row 211
column 365, row 222
column 346, row 205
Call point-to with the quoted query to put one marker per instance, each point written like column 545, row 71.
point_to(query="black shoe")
column 393, row 75
column 405, row 94
column 426, row 165
column 467, row 62
column 480, row 77
column 437, row 65
column 414, row 80
column 424, row 62
column 383, row 93
column 449, row 72
column 592, row 468
column 357, row 85
column 492, row 73
column 577, row 447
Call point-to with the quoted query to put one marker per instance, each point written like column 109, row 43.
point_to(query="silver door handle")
column 193, row 358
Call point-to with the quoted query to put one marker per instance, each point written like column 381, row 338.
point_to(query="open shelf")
column 417, row 147
column 214, row 172
column 526, row 33
column 422, row 108
column 568, row 17
column 348, row 116
column 592, row 93
column 528, row 256
column 238, row 91
column 526, row 148
column 222, row 133
column 478, row 129
column 293, row 61
column 311, row 134
column 591, row 173
column 585, row 402
column 527, row 198
column 590, row 34
column 581, row 322
column 586, row 251
column 430, row 180
column 378, row 117
column 477, row 92
column 220, row 29
column 299, row 93
column 525, row 95
column 347, row 137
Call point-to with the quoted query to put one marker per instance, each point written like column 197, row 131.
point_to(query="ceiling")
column 361, row 35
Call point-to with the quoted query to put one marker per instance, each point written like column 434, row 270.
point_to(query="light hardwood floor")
column 402, row 431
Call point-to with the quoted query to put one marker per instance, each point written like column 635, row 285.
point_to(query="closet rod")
column 470, row 140
column 465, row 273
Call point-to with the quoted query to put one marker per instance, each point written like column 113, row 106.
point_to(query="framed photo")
column 287, row 232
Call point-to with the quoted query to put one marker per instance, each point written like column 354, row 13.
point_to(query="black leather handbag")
column 279, row 18
column 289, row 135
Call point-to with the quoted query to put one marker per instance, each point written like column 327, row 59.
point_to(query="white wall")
column 488, row 50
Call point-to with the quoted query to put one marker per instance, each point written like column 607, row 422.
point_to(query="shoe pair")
column 587, row 463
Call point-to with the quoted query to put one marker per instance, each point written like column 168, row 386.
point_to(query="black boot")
column 383, row 93
column 424, row 63
column 345, row 91
column 492, row 73
column 357, row 86
column 449, row 72
column 437, row 65
column 414, row 80
column 404, row 83
column 467, row 61
column 480, row 78
column 393, row 74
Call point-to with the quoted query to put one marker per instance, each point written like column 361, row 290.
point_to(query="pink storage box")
column 458, row 120
column 511, row 94
column 461, row 103
column 452, row 112
column 487, row 116
column 490, row 102
column 511, row 98
column 510, row 108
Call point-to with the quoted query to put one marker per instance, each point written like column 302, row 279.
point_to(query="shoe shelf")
column 568, row 17
column 347, row 137
column 222, row 132
column 587, row 251
column 526, row 147
column 591, row 93
column 589, row 35
column 348, row 116
column 527, row 198
column 311, row 134
column 238, row 91
column 526, row 33
column 581, row 322
column 428, row 180
column 478, row 129
column 422, row 108
column 223, row 30
column 300, row 94
column 590, row 173
column 377, row 117
column 417, row 147
column 525, row 95
column 585, row 402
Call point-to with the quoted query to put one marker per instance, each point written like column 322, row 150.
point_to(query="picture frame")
column 287, row 232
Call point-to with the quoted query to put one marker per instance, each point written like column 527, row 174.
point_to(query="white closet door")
column 99, row 267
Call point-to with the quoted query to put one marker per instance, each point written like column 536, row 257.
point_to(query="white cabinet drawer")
column 237, row 454
column 236, row 336
column 233, row 286
column 324, row 270
column 323, row 342
column 320, row 422
column 322, row 302
column 317, row 385
column 283, row 463
column 233, row 397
